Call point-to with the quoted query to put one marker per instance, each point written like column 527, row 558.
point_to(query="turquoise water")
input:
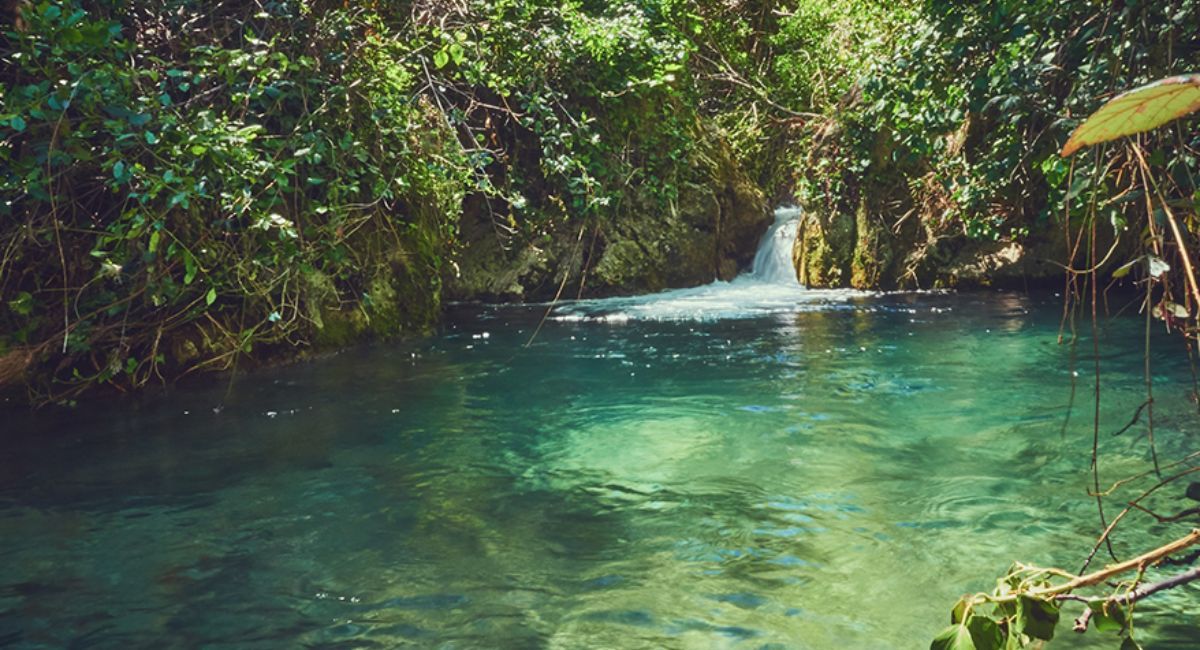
column 830, row 476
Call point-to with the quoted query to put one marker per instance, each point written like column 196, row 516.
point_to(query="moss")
column 382, row 303
column 708, row 230
column 342, row 327
column 625, row 264
column 412, row 291
column 872, row 252
column 184, row 351
column 399, row 300
column 825, row 249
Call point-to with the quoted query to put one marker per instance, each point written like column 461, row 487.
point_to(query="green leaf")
column 1078, row 185
column 441, row 58
column 210, row 297
column 154, row 237
column 457, row 53
column 1138, row 110
column 151, row 138
column 22, row 305
column 1125, row 269
column 189, row 268
column 955, row 637
column 985, row 633
column 959, row 612
column 1108, row 617
column 198, row 149
column 1036, row 618
column 17, row 124
column 1173, row 308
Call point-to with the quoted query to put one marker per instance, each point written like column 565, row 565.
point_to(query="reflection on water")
column 824, row 478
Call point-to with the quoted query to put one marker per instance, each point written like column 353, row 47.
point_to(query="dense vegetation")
column 961, row 126
column 185, row 185
column 190, row 184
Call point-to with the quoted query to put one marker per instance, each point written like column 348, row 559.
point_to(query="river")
column 743, row 465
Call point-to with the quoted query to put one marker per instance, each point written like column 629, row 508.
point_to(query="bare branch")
column 1144, row 591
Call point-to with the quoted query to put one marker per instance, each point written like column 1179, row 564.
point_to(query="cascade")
column 773, row 260
column 769, row 287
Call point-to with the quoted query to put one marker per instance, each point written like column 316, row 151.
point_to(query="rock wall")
column 710, row 232
column 876, row 250
column 888, row 232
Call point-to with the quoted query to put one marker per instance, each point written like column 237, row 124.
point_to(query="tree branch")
column 1142, row 561
column 1144, row 591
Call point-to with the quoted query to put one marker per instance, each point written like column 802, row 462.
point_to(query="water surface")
column 833, row 474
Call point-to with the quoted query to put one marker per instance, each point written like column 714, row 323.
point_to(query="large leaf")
column 955, row 637
column 1138, row 110
column 978, row 633
column 1036, row 618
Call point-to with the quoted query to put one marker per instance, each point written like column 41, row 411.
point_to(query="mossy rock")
column 708, row 231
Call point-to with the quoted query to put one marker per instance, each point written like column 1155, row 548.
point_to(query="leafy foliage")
column 769, row 74
column 977, row 99
column 564, row 105
column 191, row 184
column 205, row 189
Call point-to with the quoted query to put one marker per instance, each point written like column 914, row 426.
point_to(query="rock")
column 888, row 231
column 709, row 232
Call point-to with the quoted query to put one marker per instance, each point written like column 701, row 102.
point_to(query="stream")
column 742, row 465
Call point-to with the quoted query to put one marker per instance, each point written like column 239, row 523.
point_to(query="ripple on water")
column 744, row 488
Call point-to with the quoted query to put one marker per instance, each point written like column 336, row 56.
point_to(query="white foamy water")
column 770, row 287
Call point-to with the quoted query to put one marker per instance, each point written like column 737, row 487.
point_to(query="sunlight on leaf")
column 955, row 637
column 1156, row 266
column 1138, row 110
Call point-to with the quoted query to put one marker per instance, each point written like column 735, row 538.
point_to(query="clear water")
column 832, row 475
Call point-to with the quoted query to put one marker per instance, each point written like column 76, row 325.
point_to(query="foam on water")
column 770, row 287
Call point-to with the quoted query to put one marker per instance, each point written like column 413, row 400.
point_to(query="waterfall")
column 773, row 261
column 769, row 287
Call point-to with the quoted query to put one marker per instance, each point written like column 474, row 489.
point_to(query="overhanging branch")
column 1144, row 591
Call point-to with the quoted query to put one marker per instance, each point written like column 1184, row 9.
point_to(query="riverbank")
column 292, row 180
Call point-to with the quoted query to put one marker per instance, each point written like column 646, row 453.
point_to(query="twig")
column 1130, row 507
column 730, row 75
column 1146, row 559
column 1144, row 591
column 1183, row 250
column 1137, row 415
